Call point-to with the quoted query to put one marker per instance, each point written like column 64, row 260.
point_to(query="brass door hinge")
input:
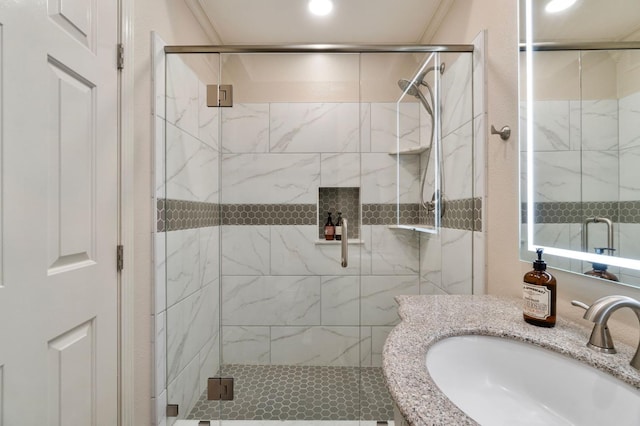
column 120, row 258
column 220, row 389
column 172, row 410
column 220, row 96
column 120, row 56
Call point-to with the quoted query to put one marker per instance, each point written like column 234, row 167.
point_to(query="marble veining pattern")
column 456, row 272
column 340, row 300
column 457, row 155
column 379, row 178
column 551, row 129
column 457, row 96
column 270, row 178
column 184, row 390
column 182, row 95
column 314, row 127
column 297, row 346
column 428, row 319
column 384, row 125
column 377, row 297
column 293, row 252
column 246, row 345
column 191, row 167
column 183, row 264
column 258, row 300
column 600, row 176
column 208, row 118
column 557, row 176
column 209, row 358
column 394, row 253
column 629, row 116
column 430, row 261
column 599, row 125
column 245, row 128
column 246, row 250
column 630, row 174
column 340, row 170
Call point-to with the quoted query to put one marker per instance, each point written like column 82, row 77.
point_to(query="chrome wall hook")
column 505, row 132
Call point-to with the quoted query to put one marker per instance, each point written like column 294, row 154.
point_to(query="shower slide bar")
column 320, row 48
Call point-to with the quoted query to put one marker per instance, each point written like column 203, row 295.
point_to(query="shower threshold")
column 295, row 392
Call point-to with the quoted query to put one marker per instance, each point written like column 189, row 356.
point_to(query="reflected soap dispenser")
column 539, row 295
column 600, row 269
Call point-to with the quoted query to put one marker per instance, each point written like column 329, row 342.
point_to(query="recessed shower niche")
column 343, row 201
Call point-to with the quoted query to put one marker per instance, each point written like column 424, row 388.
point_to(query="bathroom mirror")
column 579, row 134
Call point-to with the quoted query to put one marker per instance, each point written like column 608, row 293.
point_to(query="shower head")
column 410, row 88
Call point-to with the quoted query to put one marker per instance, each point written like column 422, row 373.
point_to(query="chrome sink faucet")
column 599, row 313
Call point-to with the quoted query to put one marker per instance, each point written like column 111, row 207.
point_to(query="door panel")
column 71, row 169
column 58, row 300
column 76, row 17
column 71, row 373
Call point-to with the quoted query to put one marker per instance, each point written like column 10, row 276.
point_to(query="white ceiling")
column 587, row 20
column 351, row 21
column 396, row 21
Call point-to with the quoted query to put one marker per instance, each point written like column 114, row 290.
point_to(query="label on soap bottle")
column 537, row 301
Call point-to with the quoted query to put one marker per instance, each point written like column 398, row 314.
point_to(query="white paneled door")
column 59, row 209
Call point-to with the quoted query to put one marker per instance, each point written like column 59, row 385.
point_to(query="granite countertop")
column 428, row 319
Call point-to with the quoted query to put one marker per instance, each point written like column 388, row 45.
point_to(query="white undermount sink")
column 498, row 381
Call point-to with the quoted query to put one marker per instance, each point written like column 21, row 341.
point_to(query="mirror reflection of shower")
column 412, row 88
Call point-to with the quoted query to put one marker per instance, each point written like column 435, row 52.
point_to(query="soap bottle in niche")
column 329, row 229
column 539, row 295
column 338, row 235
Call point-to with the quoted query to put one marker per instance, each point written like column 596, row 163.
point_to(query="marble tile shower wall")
column 186, row 312
column 586, row 156
column 452, row 262
column 286, row 299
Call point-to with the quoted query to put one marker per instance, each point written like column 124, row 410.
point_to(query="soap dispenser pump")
column 539, row 295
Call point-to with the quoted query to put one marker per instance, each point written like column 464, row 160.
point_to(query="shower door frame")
column 317, row 48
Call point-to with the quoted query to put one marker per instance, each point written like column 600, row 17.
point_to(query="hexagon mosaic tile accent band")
column 577, row 212
column 174, row 215
column 295, row 392
column 268, row 214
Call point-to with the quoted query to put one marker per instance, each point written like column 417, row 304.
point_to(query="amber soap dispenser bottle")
column 539, row 295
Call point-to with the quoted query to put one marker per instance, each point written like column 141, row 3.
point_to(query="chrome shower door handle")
column 345, row 244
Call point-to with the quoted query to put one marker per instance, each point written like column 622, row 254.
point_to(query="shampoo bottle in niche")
column 338, row 235
column 329, row 229
column 539, row 295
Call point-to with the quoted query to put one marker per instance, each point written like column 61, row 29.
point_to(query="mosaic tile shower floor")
column 285, row 392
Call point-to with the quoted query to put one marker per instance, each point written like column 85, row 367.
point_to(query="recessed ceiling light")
column 320, row 7
column 555, row 6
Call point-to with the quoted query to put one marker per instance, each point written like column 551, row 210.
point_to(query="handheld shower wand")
column 411, row 87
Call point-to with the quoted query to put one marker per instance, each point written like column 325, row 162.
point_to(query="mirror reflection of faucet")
column 599, row 269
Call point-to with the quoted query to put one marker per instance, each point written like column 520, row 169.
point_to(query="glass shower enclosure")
column 259, row 316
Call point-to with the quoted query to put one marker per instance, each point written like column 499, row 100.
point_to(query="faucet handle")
column 580, row 304
column 600, row 339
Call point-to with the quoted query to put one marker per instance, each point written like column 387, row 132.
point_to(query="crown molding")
column 203, row 19
column 436, row 21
